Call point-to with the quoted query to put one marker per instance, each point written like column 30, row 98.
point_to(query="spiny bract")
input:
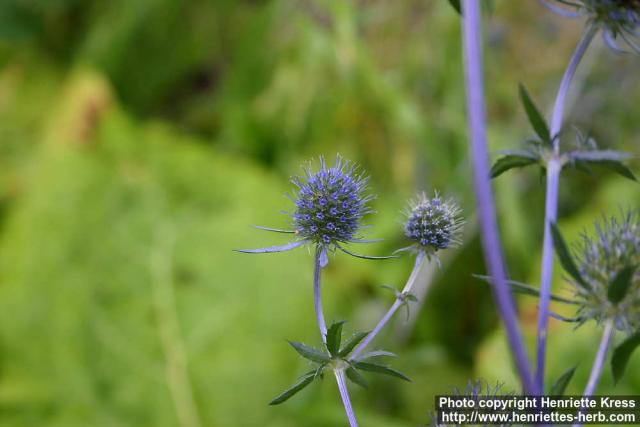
column 330, row 203
column 615, row 246
column 433, row 223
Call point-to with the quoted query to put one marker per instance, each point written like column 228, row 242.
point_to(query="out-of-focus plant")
column 330, row 205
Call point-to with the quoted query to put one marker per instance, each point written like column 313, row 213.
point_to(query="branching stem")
column 554, row 167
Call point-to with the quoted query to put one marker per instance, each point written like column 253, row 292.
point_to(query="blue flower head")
column 433, row 223
column 614, row 249
column 330, row 205
column 620, row 19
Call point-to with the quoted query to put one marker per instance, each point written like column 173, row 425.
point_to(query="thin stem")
column 317, row 296
column 471, row 27
column 554, row 167
column 598, row 363
column 346, row 400
column 396, row 305
column 322, row 325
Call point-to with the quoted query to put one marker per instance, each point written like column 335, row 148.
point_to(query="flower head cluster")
column 620, row 19
column 433, row 223
column 330, row 203
column 605, row 258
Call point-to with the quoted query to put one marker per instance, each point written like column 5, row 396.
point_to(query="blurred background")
column 140, row 140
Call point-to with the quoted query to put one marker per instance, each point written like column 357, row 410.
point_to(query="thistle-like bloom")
column 433, row 223
column 620, row 19
column 330, row 206
column 608, row 266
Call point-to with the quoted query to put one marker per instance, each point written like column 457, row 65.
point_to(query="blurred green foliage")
column 139, row 140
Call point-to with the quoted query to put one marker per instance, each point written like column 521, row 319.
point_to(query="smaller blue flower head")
column 615, row 247
column 330, row 203
column 433, row 223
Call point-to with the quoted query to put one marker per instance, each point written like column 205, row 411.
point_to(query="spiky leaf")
column 380, row 369
column 375, row 353
column 620, row 284
column 456, row 5
column 526, row 289
column 536, row 119
column 561, row 383
column 621, row 355
column 352, row 343
column 566, row 259
column 304, row 381
column 610, row 159
column 310, row 352
column 357, row 377
column 511, row 161
column 334, row 337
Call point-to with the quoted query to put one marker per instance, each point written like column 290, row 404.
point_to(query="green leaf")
column 609, row 159
column 525, row 289
column 561, row 383
column 411, row 297
column 310, row 352
column 511, row 161
column 334, row 336
column 357, row 377
column 536, row 119
column 456, row 5
column 620, row 284
column 621, row 355
column 304, row 381
column 380, row 369
column 566, row 260
column 375, row 353
column 351, row 344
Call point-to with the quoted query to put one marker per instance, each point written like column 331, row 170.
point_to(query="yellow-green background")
column 139, row 140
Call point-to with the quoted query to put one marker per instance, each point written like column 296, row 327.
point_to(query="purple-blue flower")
column 330, row 205
column 433, row 223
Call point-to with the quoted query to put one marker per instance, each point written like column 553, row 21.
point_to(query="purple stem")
column 396, row 305
column 346, row 400
column 554, row 166
column 322, row 325
column 601, row 357
column 471, row 28
column 317, row 296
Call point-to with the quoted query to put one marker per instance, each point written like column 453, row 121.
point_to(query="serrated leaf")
column 561, row 383
column 304, row 381
column 566, row 259
column 356, row 377
column 456, row 5
column 511, row 161
column 622, row 354
column 620, row 284
column 334, row 337
column 352, row 343
column 310, row 352
column 536, row 119
column 380, row 369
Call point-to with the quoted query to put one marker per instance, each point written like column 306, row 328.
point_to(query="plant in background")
column 606, row 283
column 330, row 205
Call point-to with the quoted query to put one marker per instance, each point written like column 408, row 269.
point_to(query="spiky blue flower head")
column 433, row 223
column 604, row 258
column 330, row 203
column 620, row 19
